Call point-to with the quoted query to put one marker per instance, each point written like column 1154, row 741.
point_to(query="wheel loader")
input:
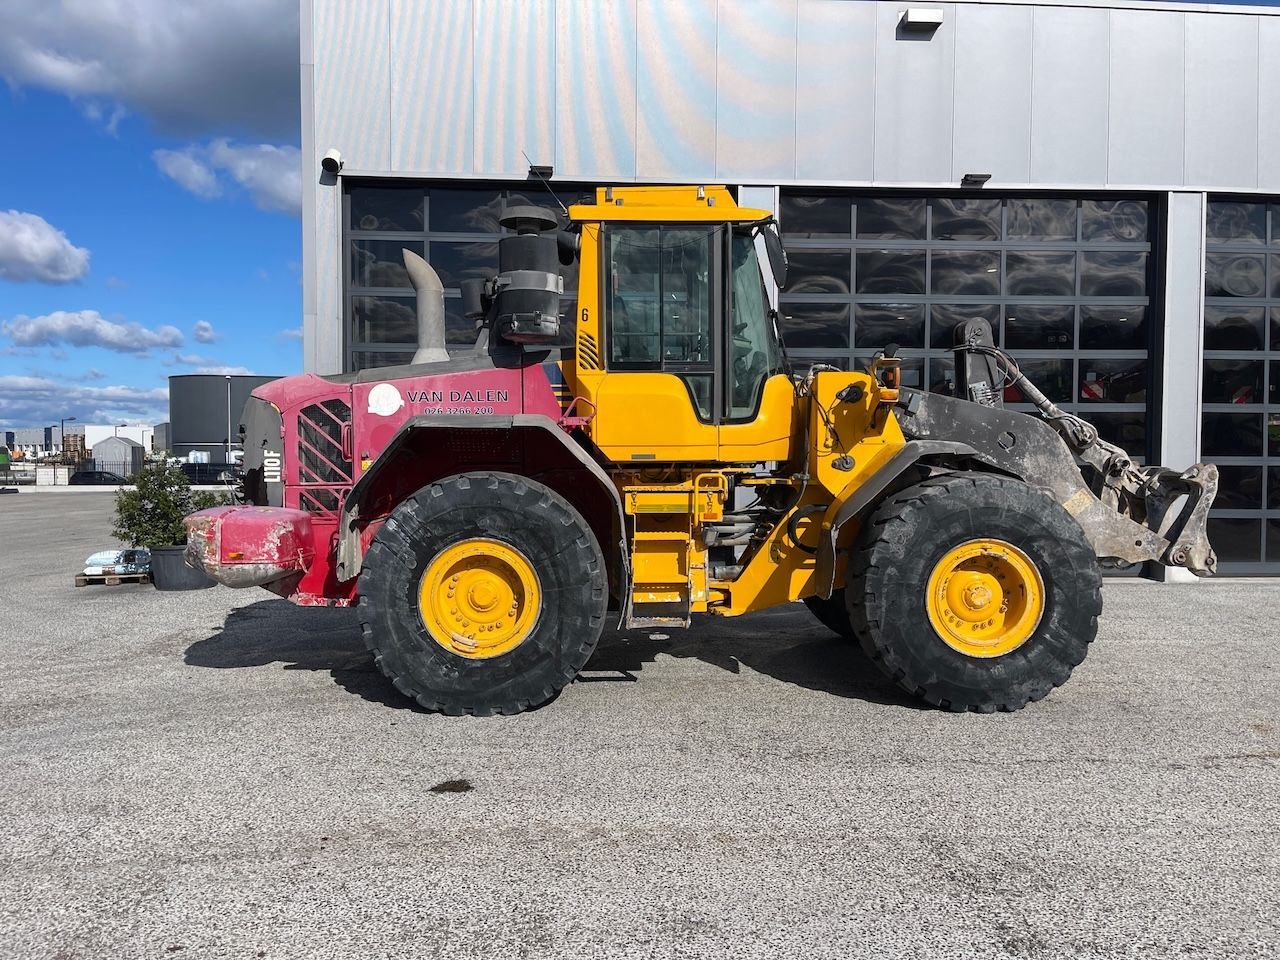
column 654, row 455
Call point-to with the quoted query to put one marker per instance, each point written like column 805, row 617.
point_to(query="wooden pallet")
column 111, row 579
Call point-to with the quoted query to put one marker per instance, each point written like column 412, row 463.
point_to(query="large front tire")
column 483, row 593
column 974, row 592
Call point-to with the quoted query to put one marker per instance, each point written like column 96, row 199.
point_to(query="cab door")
column 661, row 300
column 758, row 417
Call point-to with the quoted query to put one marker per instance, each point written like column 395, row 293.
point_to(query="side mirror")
column 777, row 255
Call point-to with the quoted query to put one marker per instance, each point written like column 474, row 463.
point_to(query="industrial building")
column 1099, row 180
column 204, row 415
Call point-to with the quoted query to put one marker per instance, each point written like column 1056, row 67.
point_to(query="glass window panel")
column 384, row 319
column 818, row 271
column 1234, row 275
column 380, row 263
column 1273, row 435
column 1239, row 488
column 1275, row 276
column 966, row 273
column 801, row 364
column 1036, row 273
column 808, row 216
column 460, row 210
column 815, row 325
column 912, row 368
column 369, row 359
column 945, row 317
column 1273, row 540
column 890, row 271
column 1116, row 220
column 1273, row 395
column 455, row 262
column 1113, row 328
column 891, row 218
column 1039, row 326
column 1126, row 430
column 1113, row 381
column 880, row 324
column 1052, row 377
column 1235, row 539
column 1113, row 273
column 458, row 330
column 1231, row 434
column 1273, row 489
column 1041, row 219
column 956, row 219
column 1228, row 327
column 942, row 375
column 386, row 208
column 1232, row 381
column 1233, row 222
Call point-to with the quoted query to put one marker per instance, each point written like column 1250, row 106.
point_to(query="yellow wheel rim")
column 479, row 598
column 985, row 598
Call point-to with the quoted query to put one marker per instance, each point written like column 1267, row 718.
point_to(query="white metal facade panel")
column 1183, row 330
column 353, row 82
column 1269, row 103
column 597, row 128
column 676, row 89
column 515, row 89
column 1222, row 99
column 1146, row 116
column 993, row 93
column 914, row 96
column 1069, row 84
column 835, row 77
column 432, row 125
column 756, row 90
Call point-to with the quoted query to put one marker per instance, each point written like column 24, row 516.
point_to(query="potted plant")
column 150, row 515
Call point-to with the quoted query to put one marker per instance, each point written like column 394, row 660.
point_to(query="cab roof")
column 713, row 204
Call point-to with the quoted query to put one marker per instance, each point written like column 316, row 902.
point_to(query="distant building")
column 94, row 432
column 73, row 447
column 204, row 413
column 120, row 455
column 160, row 438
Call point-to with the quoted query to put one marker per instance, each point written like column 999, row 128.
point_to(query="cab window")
column 754, row 354
column 659, row 299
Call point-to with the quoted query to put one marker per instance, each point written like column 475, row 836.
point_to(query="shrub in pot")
column 150, row 515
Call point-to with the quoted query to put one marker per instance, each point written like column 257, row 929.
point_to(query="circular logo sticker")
column 384, row 400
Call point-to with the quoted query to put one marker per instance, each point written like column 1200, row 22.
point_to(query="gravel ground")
column 219, row 774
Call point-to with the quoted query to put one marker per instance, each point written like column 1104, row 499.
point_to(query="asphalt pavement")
column 220, row 774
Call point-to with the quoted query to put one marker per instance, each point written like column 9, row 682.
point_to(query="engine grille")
column 324, row 460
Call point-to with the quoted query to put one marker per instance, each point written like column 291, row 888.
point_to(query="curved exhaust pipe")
column 426, row 283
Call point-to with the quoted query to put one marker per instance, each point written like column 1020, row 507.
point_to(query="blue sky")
column 148, row 202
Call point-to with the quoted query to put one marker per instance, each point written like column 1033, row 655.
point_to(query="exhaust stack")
column 426, row 282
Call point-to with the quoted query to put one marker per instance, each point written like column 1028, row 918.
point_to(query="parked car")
column 97, row 477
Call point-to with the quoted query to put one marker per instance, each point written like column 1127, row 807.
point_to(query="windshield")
column 755, row 353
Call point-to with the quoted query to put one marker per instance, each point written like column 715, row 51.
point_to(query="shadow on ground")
column 786, row 644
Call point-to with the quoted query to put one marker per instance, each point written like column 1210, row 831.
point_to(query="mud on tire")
column 905, row 539
column 513, row 510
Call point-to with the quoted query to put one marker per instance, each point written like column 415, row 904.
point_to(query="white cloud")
column 203, row 332
column 293, row 333
column 193, row 68
column 271, row 174
column 31, row 248
column 190, row 360
column 226, row 371
column 39, row 400
column 115, row 283
column 188, row 171
column 88, row 328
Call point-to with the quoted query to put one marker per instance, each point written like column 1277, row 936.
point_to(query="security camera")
column 332, row 161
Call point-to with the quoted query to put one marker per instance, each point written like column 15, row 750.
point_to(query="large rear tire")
column 974, row 592
column 484, row 593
